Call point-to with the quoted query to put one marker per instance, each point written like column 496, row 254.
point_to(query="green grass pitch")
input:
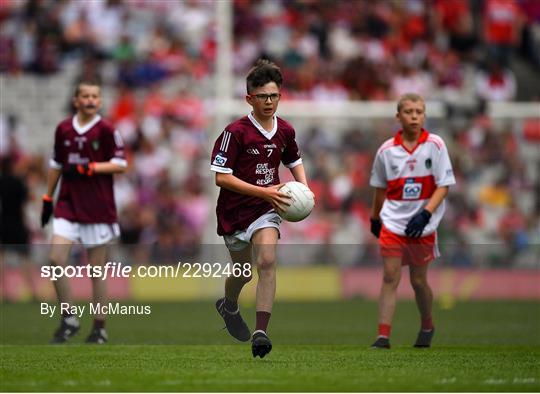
column 479, row 346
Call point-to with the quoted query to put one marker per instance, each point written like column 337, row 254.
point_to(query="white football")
column 302, row 201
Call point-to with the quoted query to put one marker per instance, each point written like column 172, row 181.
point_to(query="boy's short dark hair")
column 409, row 97
column 87, row 82
column 262, row 73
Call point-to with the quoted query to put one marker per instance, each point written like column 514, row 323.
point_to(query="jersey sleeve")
column 224, row 153
column 291, row 154
column 378, row 174
column 57, row 157
column 114, row 148
column 442, row 170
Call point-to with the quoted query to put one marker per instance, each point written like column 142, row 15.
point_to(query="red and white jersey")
column 253, row 155
column 410, row 178
column 87, row 199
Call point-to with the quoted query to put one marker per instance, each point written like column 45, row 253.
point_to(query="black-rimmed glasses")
column 262, row 97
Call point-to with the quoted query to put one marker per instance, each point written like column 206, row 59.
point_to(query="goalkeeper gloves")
column 376, row 226
column 46, row 210
column 416, row 225
column 82, row 170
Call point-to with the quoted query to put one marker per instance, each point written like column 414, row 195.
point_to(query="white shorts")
column 241, row 239
column 89, row 235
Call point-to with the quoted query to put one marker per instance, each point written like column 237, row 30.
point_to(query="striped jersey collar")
column 398, row 139
column 267, row 134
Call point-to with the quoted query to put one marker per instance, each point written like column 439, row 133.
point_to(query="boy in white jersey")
column 411, row 174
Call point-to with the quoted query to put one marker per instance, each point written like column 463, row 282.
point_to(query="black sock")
column 231, row 305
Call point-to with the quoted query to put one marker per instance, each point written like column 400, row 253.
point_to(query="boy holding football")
column 245, row 160
column 411, row 175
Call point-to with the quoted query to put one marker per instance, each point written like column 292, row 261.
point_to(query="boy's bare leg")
column 96, row 257
column 59, row 255
column 390, row 282
column 424, row 301
column 227, row 307
column 422, row 290
column 264, row 247
column 235, row 284
column 387, row 300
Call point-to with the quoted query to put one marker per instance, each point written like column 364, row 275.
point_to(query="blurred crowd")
column 457, row 51
column 369, row 50
column 377, row 50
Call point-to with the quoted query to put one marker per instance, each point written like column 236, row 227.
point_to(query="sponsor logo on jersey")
column 253, row 151
column 270, row 146
column 75, row 158
column 428, row 163
column 412, row 190
column 219, row 160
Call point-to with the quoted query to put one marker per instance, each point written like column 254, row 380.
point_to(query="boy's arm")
column 378, row 200
column 299, row 174
column 436, row 199
column 271, row 194
column 107, row 167
column 53, row 175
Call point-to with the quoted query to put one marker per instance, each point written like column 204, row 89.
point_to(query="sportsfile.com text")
column 119, row 270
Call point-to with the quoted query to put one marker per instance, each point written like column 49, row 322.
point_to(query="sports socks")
column 384, row 330
column 262, row 321
column 98, row 324
column 427, row 324
column 65, row 315
column 70, row 319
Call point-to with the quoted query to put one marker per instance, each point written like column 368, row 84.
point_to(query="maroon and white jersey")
column 87, row 199
column 252, row 154
column 410, row 179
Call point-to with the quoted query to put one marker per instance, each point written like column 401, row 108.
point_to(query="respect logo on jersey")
column 412, row 190
column 264, row 169
column 219, row 160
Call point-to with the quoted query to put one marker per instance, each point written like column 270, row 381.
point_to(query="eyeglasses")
column 262, row 97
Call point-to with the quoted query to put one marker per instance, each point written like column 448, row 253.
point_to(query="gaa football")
column 303, row 201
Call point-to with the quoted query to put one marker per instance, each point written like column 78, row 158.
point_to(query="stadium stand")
column 157, row 60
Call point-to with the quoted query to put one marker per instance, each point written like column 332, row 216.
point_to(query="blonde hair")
column 409, row 97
